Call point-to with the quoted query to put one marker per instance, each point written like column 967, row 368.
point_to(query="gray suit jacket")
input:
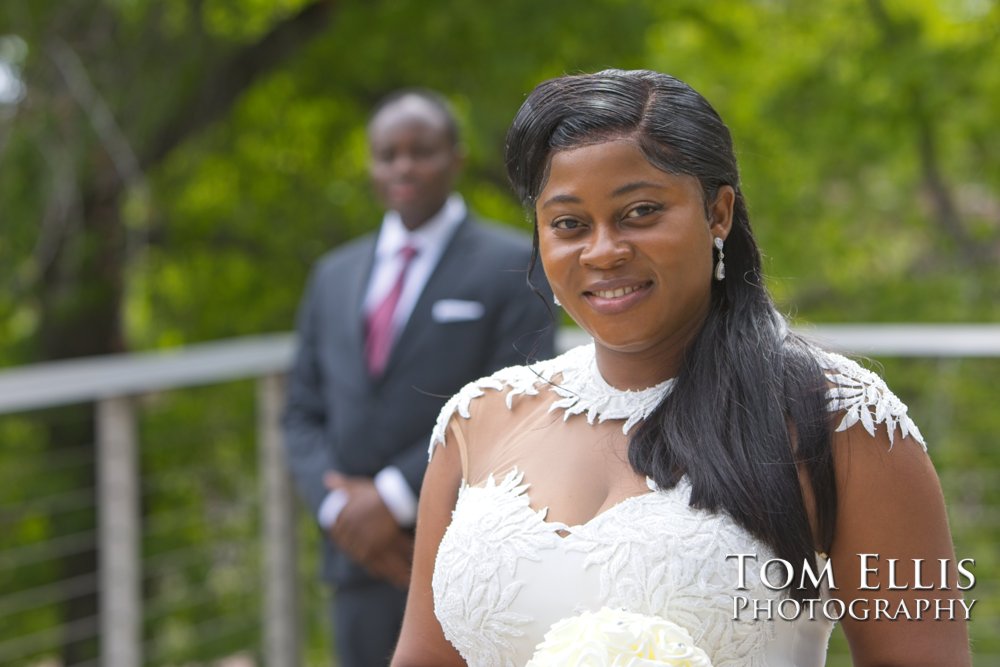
column 339, row 418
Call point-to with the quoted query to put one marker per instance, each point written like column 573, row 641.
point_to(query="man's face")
column 414, row 160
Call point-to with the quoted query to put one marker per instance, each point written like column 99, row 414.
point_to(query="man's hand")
column 366, row 530
column 393, row 564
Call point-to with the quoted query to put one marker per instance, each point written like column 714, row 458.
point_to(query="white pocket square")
column 457, row 310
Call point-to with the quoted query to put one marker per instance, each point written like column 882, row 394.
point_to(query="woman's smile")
column 615, row 296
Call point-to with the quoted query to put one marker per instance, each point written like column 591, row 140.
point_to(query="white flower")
column 617, row 638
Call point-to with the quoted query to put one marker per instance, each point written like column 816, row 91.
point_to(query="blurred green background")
column 169, row 169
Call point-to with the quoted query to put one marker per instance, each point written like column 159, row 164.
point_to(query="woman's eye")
column 642, row 210
column 566, row 224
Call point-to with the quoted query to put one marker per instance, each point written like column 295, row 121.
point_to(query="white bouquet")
column 617, row 638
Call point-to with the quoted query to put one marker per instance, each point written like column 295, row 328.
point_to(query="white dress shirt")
column 429, row 240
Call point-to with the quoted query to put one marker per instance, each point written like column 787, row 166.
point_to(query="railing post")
column 118, row 525
column 280, row 585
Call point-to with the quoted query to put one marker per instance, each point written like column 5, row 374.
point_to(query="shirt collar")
column 434, row 233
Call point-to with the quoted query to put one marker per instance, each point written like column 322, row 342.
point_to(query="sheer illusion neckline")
column 576, row 381
column 514, row 490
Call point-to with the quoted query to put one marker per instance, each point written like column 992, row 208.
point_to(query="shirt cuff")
column 397, row 495
column 331, row 508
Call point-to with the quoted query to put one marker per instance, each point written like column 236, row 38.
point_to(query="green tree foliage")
column 175, row 167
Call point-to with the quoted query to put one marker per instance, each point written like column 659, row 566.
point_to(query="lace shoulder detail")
column 864, row 397
column 521, row 380
column 580, row 388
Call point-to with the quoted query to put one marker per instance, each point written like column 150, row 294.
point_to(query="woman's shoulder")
column 861, row 396
column 499, row 390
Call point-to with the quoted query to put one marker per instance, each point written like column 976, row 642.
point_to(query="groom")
column 390, row 326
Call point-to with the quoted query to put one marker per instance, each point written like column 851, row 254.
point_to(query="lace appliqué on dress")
column 651, row 554
column 864, row 397
column 860, row 393
column 473, row 594
column 580, row 387
column 659, row 556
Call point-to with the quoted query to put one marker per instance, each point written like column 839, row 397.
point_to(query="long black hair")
column 747, row 410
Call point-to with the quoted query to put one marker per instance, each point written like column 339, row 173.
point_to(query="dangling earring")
column 720, row 266
column 555, row 300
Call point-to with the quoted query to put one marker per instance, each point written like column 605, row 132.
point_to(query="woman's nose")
column 607, row 249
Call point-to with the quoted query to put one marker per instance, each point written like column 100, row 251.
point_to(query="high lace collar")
column 583, row 390
column 861, row 395
column 574, row 377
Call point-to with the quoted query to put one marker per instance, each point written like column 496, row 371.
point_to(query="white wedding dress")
column 506, row 570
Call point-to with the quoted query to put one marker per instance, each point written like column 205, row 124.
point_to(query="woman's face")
column 627, row 248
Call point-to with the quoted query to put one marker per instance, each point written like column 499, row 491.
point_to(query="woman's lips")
column 615, row 299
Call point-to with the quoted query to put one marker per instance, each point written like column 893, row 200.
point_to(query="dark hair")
column 747, row 387
column 436, row 100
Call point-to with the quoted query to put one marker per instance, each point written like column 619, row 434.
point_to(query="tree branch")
column 946, row 213
column 220, row 89
column 62, row 213
column 942, row 201
column 101, row 118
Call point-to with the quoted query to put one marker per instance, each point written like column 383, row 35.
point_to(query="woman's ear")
column 720, row 212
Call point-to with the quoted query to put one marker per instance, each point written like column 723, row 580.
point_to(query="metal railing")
column 114, row 385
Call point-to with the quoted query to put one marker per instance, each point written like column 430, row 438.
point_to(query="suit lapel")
column 420, row 324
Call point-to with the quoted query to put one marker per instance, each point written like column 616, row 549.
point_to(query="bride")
column 696, row 440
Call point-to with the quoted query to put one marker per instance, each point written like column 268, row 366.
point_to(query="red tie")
column 379, row 339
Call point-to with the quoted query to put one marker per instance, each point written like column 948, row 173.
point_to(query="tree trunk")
column 81, row 298
column 81, row 290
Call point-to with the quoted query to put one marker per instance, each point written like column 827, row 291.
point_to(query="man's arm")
column 352, row 524
column 305, row 417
